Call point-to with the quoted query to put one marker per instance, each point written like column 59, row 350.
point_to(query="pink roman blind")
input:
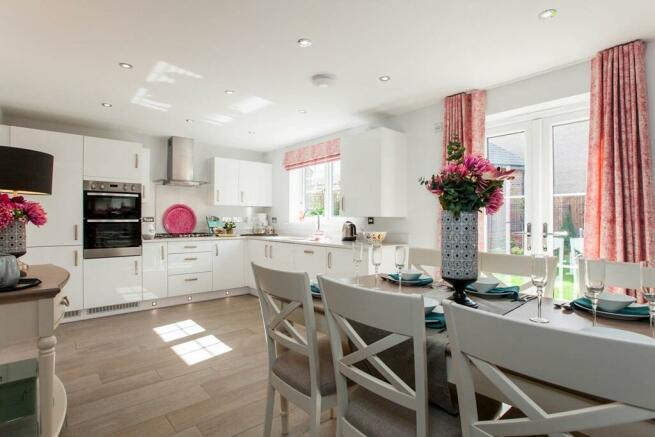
column 311, row 155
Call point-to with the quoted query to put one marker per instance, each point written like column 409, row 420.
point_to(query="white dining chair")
column 426, row 260
column 492, row 264
column 300, row 364
column 480, row 344
column 383, row 405
column 617, row 274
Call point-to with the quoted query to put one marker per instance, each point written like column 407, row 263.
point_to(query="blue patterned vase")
column 459, row 252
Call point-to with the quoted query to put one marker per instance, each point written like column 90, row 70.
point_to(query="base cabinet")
column 180, row 285
column 340, row 263
column 69, row 258
column 155, row 271
column 310, row 259
column 112, row 281
column 228, row 265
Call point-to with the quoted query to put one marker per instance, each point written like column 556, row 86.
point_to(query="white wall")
column 424, row 145
column 195, row 197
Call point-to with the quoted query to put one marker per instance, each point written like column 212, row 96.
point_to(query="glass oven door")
column 111, row 206
column 111, row 238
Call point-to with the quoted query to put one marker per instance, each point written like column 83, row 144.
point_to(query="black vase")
column 459, row 253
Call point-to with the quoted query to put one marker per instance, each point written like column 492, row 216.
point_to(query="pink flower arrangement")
column 468, row 182
column 18, row 209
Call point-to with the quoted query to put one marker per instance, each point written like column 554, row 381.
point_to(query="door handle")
column 162, row 252
column 65, row 302
column 528, row 236
column 342, row 204
column 218, row 195
column 136, row 268
column 545, row 234
column 190, row 247
column 216, row 249
column 76, row 232
column 309, row 252
column 76, row 258
column 191, row 259
column 191, row 279
column 329, row 260
column 136, row 160
column 270, row 251
column 242, row 197
column 265, row 250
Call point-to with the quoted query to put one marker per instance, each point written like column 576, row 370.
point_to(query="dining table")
column 441, row 378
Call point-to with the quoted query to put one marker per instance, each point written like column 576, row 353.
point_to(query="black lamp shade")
column 25, row 171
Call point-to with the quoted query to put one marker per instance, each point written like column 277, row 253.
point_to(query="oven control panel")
column 112, row 187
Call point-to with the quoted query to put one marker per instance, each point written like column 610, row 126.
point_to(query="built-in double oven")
column 112, row 219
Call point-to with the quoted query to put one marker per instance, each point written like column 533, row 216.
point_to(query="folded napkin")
column 514, row 289
column 641, row 310
column 435, row 320
column 313, row 286
column 423, row 280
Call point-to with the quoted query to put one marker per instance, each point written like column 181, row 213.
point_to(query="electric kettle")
column 348, row 232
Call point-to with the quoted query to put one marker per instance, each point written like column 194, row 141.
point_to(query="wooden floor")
column 123, row 379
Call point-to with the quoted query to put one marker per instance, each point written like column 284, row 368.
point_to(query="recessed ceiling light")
column 189, row 120
column 228, row 92
column 323, row 80
column 547, row 14
column 304, row 42
column 302, row 111
column 125, row 65
column 106, row 105
column 384, row 78
column 251, row 132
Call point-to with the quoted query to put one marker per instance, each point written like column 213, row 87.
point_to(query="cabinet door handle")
column 76, row 232
column 342, row 204
column 191, row 279
column 76, row 258
column 191, row 259
column 216, row 249
column 218, row 195
column 329, row 260
column 65, row 302
column 242, row 197
column 190, row 247
column 136, row 160
column 162, row 252
column 309, row 252
column 136, row 268
column 266, row 251
column 270, row 252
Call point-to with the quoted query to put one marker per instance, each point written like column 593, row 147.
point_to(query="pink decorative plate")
column 179, row 219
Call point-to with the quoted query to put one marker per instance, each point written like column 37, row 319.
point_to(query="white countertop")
column 279, row 239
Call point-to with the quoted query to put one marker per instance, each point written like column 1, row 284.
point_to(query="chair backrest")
column 426, row 260
column 493, row 264
column 618, row 274
column 402, row 316
column 479, row 342
column 280, row 295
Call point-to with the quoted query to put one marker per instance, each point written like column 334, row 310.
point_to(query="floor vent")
column 122, row 306
column 68, row 314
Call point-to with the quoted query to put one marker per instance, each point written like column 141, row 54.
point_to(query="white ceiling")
column 59, row 58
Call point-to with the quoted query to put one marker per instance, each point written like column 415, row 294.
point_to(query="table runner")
column 401, row 360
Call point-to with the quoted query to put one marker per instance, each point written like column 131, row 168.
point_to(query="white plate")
column 487, row 294
column 618, row 334
column 419, row 281
column 616, row 316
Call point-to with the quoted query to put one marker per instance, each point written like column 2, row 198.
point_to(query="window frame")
column 297, row 184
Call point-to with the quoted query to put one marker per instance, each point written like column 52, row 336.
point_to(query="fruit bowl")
column 375, row 237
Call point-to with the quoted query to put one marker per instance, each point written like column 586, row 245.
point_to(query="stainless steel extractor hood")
column 179, row 169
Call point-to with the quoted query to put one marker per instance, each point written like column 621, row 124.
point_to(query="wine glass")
column 539, row 276
column 376, row 256
column 358, row 257
column 594, row 282
column 648, row 291
column 401, row 260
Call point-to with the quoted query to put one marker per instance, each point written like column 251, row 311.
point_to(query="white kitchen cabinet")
column 228, row 264
column 373, row 174
column 181, row 285
column 280, row 256
column 155, row 271
column 225, row 182
column 340, row 263
column 190, row 246
column 182, row 263
column 147, row 196
column 241, row 183
column 257, row 251
column 69, row 258
column 255, row 183
column 64, row 206
column 112, row 281
column 310, row 258
column 112, row 160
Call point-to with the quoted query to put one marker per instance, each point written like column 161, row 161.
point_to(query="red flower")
column 6, row 214
column 35, row 213
column 495, row 202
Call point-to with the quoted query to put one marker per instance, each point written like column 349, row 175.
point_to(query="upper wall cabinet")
column 64, row 206
column 374, row 174
column 241, row 183
column 112, row 160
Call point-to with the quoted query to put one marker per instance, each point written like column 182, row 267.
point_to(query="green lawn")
column 565, row 287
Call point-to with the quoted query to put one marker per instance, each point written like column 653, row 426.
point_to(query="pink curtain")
column 619, row 206
column 464, row 118
column 311, row 155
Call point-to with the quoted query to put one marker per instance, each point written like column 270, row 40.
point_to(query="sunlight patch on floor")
column 178, row 330
column 200, row 349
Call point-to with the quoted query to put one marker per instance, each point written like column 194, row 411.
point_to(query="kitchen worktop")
column 278, row 239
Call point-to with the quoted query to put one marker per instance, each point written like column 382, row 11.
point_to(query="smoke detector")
column 323, row 80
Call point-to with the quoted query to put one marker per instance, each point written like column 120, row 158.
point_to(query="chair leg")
column 270, row 402
column 284, row 414
column 315, row 418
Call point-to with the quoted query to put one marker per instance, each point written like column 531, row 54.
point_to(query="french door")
column 544, row 204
